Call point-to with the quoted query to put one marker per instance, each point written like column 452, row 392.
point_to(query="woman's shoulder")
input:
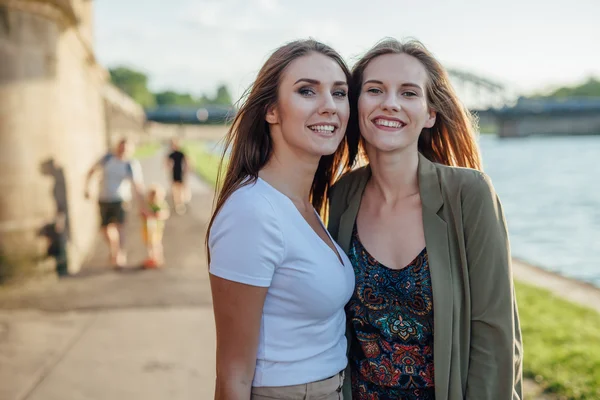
column 349, row 182
column 463, row 179
column 250, row 200
column 461, row 176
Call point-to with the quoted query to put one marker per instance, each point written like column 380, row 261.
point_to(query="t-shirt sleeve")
column 104, row 159
column 246, row 242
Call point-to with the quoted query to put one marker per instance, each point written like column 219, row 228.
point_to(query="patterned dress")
column 391, row 316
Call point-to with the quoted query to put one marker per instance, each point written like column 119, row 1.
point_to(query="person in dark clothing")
column 178, row 165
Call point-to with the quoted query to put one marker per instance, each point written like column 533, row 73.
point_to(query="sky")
column 195, row 45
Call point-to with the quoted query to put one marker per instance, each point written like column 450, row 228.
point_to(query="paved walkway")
column 128, row 335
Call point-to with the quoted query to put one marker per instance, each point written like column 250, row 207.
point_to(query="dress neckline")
column 406, row 267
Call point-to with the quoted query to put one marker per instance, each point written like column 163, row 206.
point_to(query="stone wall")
column 123, row 116
column 53, row 126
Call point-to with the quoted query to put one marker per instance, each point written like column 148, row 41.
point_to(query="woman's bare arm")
column 238, row 312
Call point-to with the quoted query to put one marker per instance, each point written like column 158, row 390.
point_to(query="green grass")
column 561, row 340
column 146, row 150
column 561, row 343
column 488, row 129
column 205, row 162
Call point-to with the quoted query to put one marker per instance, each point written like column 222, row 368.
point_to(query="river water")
column 550, row 189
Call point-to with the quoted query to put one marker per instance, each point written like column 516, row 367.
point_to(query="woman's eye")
column 409, row 94
column 306, row 91
column 340, row 93
column 374, row 90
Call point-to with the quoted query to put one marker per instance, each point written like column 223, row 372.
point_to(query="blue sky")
column 193, row 45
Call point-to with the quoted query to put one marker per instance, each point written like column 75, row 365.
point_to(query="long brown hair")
column 451, row 140
column 249, row 140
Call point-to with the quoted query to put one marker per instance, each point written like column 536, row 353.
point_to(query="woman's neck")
column 292, row 175
column 394, row 174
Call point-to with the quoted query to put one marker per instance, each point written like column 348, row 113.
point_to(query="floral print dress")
column 391, row 318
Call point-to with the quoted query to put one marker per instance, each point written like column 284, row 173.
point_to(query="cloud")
column 232, row 15
column 270, row 5
column 325, row 30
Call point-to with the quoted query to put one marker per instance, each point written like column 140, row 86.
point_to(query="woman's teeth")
column 322, row 128
column 390, row 124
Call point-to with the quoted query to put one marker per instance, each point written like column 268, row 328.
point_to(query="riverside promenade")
column 142, row 334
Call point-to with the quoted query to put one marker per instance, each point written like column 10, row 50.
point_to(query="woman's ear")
column 431, row 120
column 272, row 116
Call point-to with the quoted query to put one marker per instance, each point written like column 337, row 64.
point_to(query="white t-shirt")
column 259, row 238
column 117, row 177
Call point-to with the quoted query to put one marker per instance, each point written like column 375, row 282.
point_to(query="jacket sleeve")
column 495, row 348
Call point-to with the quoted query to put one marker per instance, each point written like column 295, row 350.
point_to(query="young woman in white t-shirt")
column 279, row 281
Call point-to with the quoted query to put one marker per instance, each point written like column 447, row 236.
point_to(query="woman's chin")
column 326, row 149
column 389, row 146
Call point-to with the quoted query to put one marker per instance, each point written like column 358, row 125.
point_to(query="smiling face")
column 312, row 108
column 392, row 105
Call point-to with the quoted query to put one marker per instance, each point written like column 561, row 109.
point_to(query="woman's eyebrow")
column 407, row 84
column 316, row 82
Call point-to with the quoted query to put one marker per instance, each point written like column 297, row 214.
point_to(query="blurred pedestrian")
column 121, row 176
column 153, row 226
column 179, row 167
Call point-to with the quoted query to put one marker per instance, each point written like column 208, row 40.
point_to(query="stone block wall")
column 53, row 126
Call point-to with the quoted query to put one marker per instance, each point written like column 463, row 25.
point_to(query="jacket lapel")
column 348, row 218
column 436, row 239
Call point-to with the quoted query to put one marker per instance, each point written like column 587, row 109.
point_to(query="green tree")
column 170, row 97
column 134, row 83
column 591, row 88
column 223, row 97
column 204, row 99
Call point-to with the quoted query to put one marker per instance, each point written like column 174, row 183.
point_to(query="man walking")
column 121, row 176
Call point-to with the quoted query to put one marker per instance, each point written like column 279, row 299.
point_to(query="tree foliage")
column 223, row 97
column 590, row 88
column 135, row 84
column 170, row 97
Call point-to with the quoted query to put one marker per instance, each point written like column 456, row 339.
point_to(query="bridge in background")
column 535, row 117
column 189, row 115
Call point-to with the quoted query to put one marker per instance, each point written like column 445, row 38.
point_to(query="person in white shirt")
column 279, row 281
column 121, row 176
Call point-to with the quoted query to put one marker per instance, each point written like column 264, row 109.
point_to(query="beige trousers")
column 328, row 389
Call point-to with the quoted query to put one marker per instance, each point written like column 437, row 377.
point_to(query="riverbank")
column 578, row 292
column 560, row 322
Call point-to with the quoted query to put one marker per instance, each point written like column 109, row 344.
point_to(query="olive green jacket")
column 477, row 348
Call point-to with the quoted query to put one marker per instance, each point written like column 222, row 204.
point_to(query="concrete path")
column 128, row 335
